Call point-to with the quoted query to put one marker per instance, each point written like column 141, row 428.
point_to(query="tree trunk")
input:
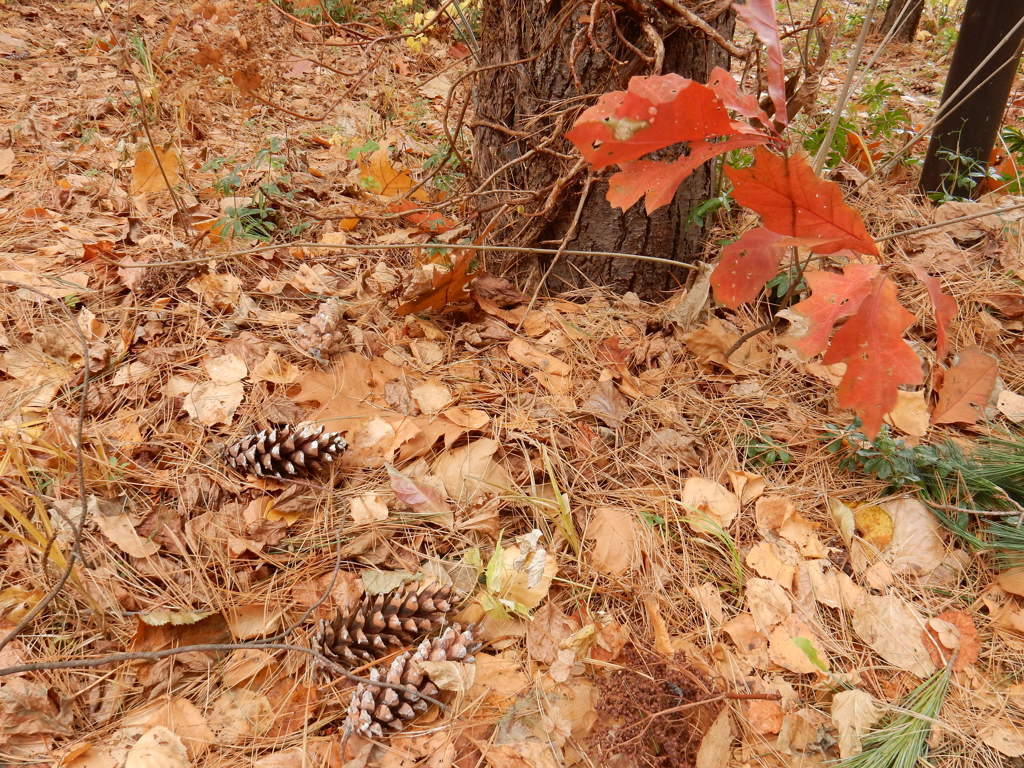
column 907, row 13
column 977, row 90
column 524, row 109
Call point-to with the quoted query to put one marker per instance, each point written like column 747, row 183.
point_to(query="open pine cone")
column 326, row 333
column 380, row 624
column 286, row 452
column 374, row 709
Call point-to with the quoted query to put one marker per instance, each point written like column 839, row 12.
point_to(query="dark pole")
column 969, row 129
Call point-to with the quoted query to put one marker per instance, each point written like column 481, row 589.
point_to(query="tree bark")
column 523, row 111
column 907, row 13
column 977, row 90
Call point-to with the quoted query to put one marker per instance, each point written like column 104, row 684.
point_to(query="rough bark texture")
column 911, row 18
column 570, row 65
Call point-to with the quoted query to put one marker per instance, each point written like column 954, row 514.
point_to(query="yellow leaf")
column 874, row 525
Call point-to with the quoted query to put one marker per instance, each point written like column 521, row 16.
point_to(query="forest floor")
column 706, row 586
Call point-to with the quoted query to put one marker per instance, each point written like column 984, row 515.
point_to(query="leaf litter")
column 581, row 478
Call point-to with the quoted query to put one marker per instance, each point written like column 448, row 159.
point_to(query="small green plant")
column 256, row 217
column 340, row 11
column 764, row 451
column 891, row 459
column 837, row 149
column 452, row 173
column 964, row 175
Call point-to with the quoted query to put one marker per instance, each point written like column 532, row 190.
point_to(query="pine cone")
column 325, row 335
column 286, row 452
column 382, row 623
column 373, row 708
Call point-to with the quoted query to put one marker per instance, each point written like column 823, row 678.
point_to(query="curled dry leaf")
column 1011, row 405
column 767, row 603
column 470, row 471
column 910, row 415
column 948, row 633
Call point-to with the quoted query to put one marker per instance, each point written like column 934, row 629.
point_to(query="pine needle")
column 901, row 743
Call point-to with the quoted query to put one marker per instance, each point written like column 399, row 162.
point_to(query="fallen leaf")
column 147, row 176
column 966, row 388
column 1011, row 405
column 1012, row 581
column 253, row 620
column 158, row 747
column 853, row 713
column 470, row 471
column 239, row 714
column 795, row 647
column 747, row 486
column 1004, row 737
column 951, row 632
column 705, row 500
column 119, row 528
column 607, row 403
column 768, row 603
column 367, row 508
column 431, row 396
column 716, row 745
column 916, row 547
column 765, row 716
column 892, row 629
column 613, row 532
column 910, row 415
column 448, row 289
column 276, row 370
column 710, row 343
column 546, row 632
column 874, row 525
column 764, row 559
column 6, row 161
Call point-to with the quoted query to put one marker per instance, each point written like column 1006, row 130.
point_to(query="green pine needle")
column 901, row 743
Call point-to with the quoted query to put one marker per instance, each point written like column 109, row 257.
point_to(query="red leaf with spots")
column 833, row 297
column 750, row 262
column 793, row 201
column 944, row 305
column 878, row 360
column 659, row 180
column 759, row 15
column 654, row 113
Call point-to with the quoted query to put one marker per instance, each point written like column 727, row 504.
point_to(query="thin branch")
column 399, row 247
column 844, row 95
column 694, row 20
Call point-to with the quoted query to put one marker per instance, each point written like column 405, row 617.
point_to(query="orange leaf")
column 944, row 305
column 146, row 175
column 966, row 388
column 658, row 180
column 833, row 297
column 951, row 632
column 448, row 288
column 793, row 201
column 426, row 221
column 748, row 263
column 378, row 175
column 877, row 358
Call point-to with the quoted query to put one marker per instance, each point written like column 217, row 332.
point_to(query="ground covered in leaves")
column 667, row 563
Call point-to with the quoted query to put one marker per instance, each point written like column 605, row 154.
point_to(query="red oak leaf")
column 793, row 201
column 654, row 113
column 944, row 305
column 659, row 180
column 748, row 263
column 877, row 358
column 833, row 297
column 759, row 15
column 724, row 84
